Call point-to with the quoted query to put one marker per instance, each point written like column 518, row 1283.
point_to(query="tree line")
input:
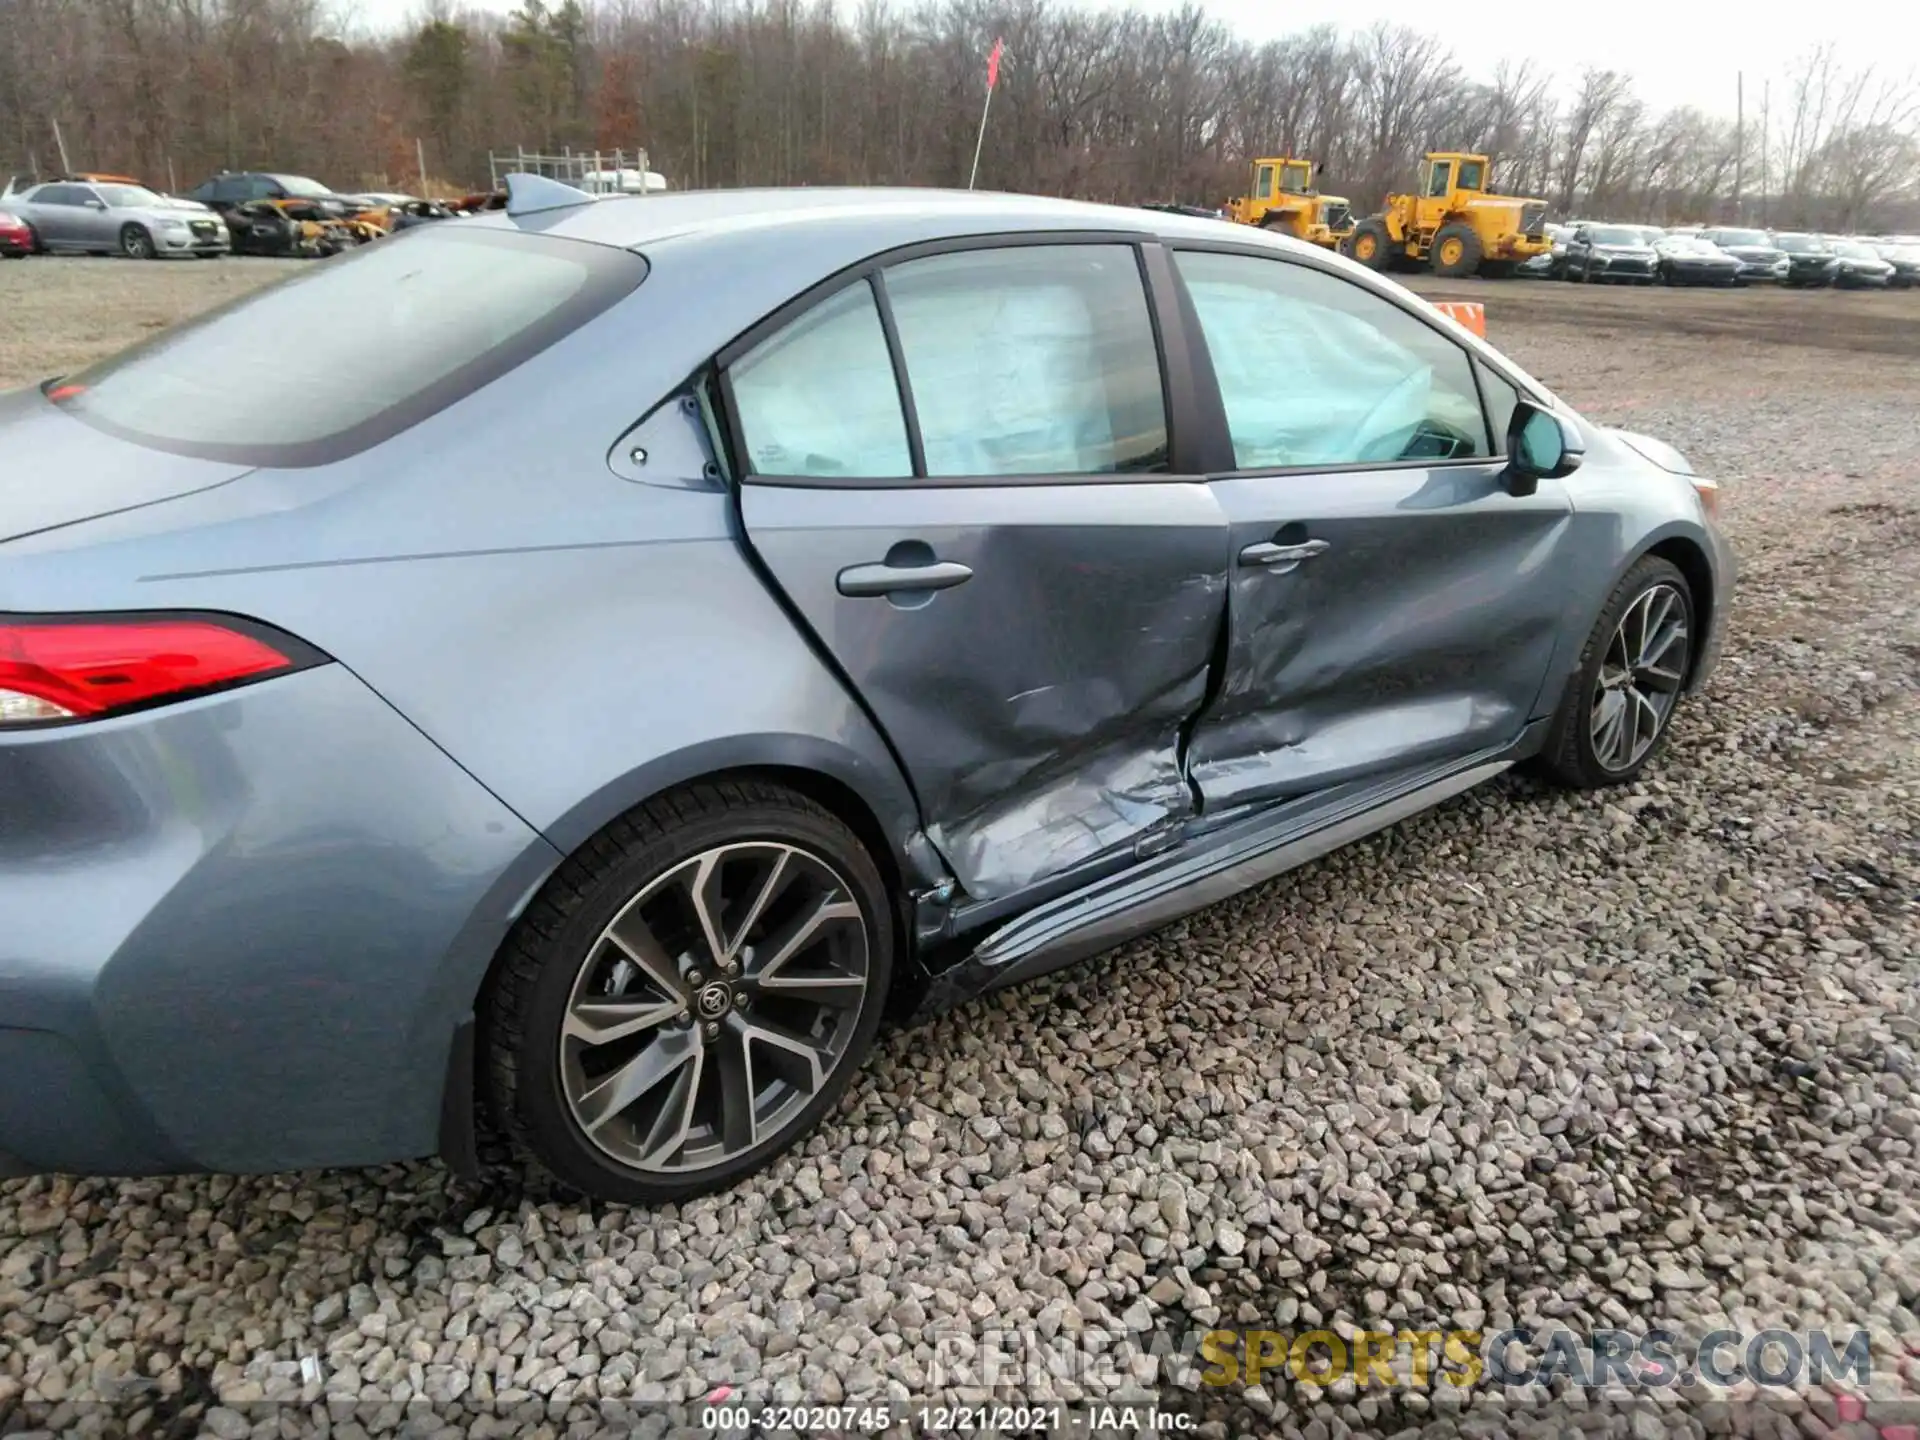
column 1117, row 105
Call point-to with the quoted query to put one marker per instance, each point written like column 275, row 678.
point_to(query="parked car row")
column 1592, row 251
column 249, row 213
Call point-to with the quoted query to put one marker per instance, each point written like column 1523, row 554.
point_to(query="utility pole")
column 1766, row 173
column 1739, row 141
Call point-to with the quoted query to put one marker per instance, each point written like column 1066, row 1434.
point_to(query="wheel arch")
column 1689, row 557
column 836, row 780
column 1673, row 543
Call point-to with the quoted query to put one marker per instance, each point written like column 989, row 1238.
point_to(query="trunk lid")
column 56, row 470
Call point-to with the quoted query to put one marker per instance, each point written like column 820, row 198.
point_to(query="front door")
column 1391, row 605
column 94, row 225
column 997, row 555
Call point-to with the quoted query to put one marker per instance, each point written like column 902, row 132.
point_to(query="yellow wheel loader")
column 1283, row 199
column 1455, row 223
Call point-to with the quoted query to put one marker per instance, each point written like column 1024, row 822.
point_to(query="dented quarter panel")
column 1038, row 706
column 1423, row 632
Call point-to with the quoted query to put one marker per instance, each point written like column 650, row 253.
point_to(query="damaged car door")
column 1392, row 606
column 957, row 469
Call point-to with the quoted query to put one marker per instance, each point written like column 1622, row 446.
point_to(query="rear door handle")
column 885, row 579
column 1268, row 553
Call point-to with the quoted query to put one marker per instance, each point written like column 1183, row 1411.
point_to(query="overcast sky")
column 1679, row 52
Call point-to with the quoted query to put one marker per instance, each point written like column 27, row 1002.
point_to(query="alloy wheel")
column 1640, row 678
column 716, row 1004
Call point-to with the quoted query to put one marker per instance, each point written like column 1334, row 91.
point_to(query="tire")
column 1585, row 748
column 136, row 243
column 1371, row 245
column 1456, row 252
column 662, row 1127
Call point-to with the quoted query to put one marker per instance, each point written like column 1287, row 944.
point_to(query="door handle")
column 885, row 579
column 1268, row 553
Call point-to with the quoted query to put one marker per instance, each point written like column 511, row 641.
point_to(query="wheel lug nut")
column 739, row 999
column 694, row 977
column 713, row 1029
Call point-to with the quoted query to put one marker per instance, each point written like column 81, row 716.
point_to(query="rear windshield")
column 351, row 350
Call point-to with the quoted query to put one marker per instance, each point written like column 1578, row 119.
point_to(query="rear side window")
column 818, row 399
column 1316, row 371
column 352, row 350
column 1032, row 360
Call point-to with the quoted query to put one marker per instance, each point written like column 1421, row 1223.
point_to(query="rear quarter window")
column 352, row 350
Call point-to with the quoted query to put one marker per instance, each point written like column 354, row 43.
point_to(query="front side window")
column 1031, row 360
column 1264, row 189
column 1471, row 172
column 818, row 398
column 1442, row 173
column 437, row 313
column 60, row 195
column 1316, row 371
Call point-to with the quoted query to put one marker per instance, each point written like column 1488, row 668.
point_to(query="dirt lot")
column 1642, row 1059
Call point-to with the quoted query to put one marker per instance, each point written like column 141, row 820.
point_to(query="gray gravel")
column 1643, row 1059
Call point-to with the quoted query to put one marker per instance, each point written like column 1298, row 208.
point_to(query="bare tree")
column 1113, row 104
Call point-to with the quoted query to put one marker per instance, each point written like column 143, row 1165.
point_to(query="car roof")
column 634, row 220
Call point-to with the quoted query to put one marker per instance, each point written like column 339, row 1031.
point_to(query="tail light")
column 56, row 670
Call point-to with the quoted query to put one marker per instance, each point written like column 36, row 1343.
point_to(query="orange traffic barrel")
column 1470, row 313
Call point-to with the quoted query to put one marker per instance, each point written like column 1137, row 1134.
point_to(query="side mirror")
column 96, row 204
column 1541, row 445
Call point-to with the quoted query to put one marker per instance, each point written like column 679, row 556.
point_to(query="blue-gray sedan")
column 624, row 648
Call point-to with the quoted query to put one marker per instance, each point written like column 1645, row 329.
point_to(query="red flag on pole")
column 993, row 64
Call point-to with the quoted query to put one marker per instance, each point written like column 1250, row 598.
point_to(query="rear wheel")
column 1618, row 705
column 690, row 993
column 136, row 243
column 1456, row 251
column 1372, row 246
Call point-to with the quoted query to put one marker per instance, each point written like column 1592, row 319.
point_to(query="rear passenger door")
column 1392, row 606
column 55, row 214
column 960, row 468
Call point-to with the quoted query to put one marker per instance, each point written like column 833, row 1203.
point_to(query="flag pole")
column 993, row 76
column 980, row 140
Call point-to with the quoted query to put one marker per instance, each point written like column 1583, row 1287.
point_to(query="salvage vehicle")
column 1688, row 260
column 1615, row 253
column 1904, row 256
column 1761, row 261
column 1283, row 199
column 1811, row 262
column 320, row 222
column 297, row 229
column 418, row 212
column 923, row 591
column 83, row 217
column 1456, row 223
column 1861, row 267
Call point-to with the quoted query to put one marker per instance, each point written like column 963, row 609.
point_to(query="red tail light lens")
column 85, row 668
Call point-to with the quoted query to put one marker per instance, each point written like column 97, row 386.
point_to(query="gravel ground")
column 1641, row 1060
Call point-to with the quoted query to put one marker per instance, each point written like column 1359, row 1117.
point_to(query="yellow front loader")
column 1283, row 199
column 1454, row 223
